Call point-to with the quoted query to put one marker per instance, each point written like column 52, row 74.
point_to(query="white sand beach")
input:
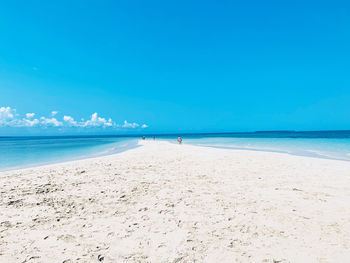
column 163, row 202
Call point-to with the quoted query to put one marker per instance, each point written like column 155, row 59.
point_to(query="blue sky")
column 193, row 66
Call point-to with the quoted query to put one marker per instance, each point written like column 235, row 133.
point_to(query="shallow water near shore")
column 23, row 152
column 320, row 144
column 320, row 148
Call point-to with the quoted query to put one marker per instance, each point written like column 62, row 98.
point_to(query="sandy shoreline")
column 168, row 203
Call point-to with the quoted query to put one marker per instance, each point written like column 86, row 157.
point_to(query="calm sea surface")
column 21, row 152
column 321, row 144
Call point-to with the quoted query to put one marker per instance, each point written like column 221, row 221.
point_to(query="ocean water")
column 22, row 152
column 321, row 144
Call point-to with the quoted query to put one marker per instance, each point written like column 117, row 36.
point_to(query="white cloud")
column 50, row 122
column 109, row 123
column 130, row 125
column 96, row 121
column 6, row 113
column 28, row 123
column 9, row 118
column 70, row 120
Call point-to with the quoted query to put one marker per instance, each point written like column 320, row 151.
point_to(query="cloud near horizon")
column 10, row 118
column 30, row 115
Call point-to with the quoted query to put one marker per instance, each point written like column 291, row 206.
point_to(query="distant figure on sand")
column 154, row 137
column 179, row 139
column 143, row 137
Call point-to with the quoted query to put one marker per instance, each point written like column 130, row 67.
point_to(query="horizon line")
column 175, row 134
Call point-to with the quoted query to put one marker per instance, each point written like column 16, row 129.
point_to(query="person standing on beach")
column 179, row 139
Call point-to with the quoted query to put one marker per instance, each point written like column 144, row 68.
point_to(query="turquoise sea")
column 325, row 144
column 22, row 152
